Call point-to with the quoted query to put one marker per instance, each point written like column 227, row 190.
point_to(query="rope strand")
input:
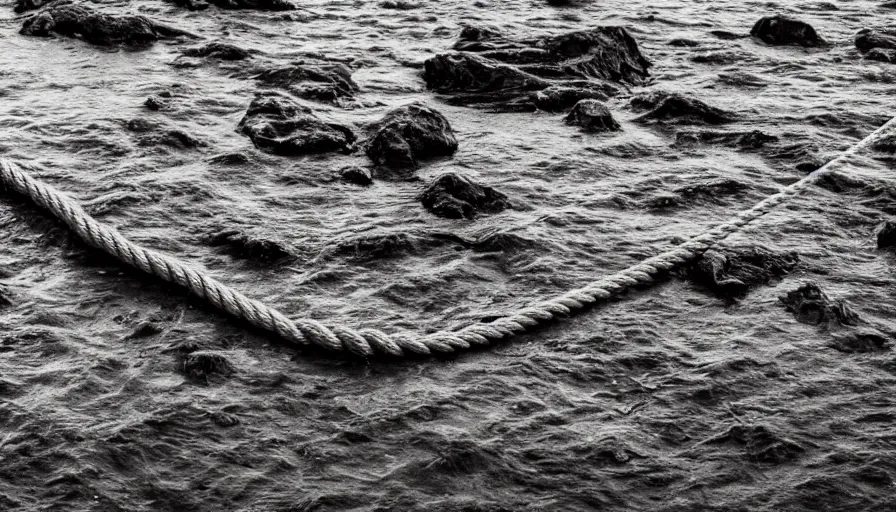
column 369, row 342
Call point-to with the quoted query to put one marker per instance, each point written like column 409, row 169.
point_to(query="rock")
column 202, row 365
column 280, row 126
column 867, row 39
column 881, row 55
column 593, row 116
column 886, row 234
column 664, row 106
column 399, row 5
column 496, row 72
column 357, row 175
column 29, row 5
column 327, row 82
column 810, row 305
column 411, row 133
column 731, row 272
column 783, row 30
column 457, row 197
column 861, row 340
column 258, row 5
column 97, row 28
column 155, row 103
column 222, row 51
column 192, row 5
column 173, row 138
column 712, row 188
column 5, row 299
column 741, row 140
column 244, row 246
column 557, row 98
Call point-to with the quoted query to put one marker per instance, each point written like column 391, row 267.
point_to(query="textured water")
column 670, row 399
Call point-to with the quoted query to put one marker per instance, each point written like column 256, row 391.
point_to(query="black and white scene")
column 447, row 256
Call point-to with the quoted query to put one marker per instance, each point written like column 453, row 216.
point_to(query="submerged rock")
column 244, row 246
column 877, row 45
column 411, row 133
column 783, row 30
column 280, row 126
column 741, row 140
column 5, row 297
column 730, row 273
column 259, row 5
column 202, row 365
column 592, row 116
column 810, row 305
column 886, row 234
column 357, row 175
column 664, row 106
column 327, row 82
column 492, row 71
column 457, row 197
column 97, row 28
column 222, row 51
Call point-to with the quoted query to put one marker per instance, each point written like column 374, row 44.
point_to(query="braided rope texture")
column 369, row 342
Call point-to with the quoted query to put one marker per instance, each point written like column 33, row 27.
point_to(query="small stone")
column 457, row 197
column 886, row 234
column 783, row 30
column 593, row 116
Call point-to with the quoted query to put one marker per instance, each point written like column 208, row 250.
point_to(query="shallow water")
column 627, row 406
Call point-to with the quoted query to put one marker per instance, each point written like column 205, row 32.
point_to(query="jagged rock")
column 97, row 28
column 192, row 5
column 411, row 133
column 593, row 116
column 742, row 140
column 457, row 197
column 280, row 126
column 222, row 51
column 783, row 30
column 673, row 107
column 492, row 71
column 810, row 305
column 259, row 5
column 244, row 246
column 886, row 234
column 357, row 175
column 327, row 82
column 730, row 273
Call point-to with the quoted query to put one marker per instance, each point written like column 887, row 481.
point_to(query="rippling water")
column 638, row 405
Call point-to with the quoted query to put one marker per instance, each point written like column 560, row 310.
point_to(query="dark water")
column 670, row 399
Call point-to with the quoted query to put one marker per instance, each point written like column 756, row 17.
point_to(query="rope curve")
column 368, row 342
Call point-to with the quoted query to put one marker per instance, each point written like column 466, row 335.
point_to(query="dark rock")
column 730, row 273
column 202, row 365
column 560, row 98
column 457, row 197
column 810, row 305
column 241, row 245
column 741, row 140
column 863, row 340
column 411, row 133
column 140, row 125
column 326, row 82
column 97, row 28
column 683, row 43
column 357, row 175
column 278, row 125
column 174, row 138
column 881, row 55
column 593, row 116
column 399, row 5
column 29, row 5
column 379, row 245
column 155, row 103
column 726, row 35
column 782, row 30
column 673, row 107
column 192, row 5
column 4, row 297
column 492, row 71
column 712, row 188
column 867, row 39
column 222, row 51
column 258, row 5
column 886, row 234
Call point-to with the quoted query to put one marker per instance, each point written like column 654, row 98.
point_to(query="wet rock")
column 378, row 245
column 5, row 297
column 491, row 70
column 731, row 272
column 886, row 234
column 755, row 139
column 202, row 365
column 726, row 35
column 783, row 30
column 560, row 98
column 325, row 82
column 258, row 5
column 399, row 5
column 861, row 341
column 881, row 55
column 97, row 28
column 592, row 116
column 810, row 305
column 357, row 175
column 669, row 107
column 762, row 443
column 173, row 138
column 221, row 51
column 457, row 197
column 246, row 246
column 409, row 134
column 192, row 5
column 712, row 188
column 683, row 43
column 155, row 103
column 867, row 39
column 280, row 126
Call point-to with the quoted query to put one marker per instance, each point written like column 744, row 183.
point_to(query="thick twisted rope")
column 367, row 342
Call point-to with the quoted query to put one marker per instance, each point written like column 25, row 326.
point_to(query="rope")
column 368, row 342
